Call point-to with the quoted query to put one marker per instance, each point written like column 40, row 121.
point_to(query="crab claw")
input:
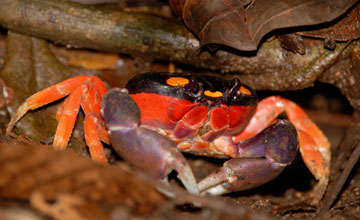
column 267, row 154
column 144, row 149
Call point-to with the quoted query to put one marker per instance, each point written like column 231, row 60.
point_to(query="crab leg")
column 86, row 91
column 68, row 118
column 93, row 138
column 46, row 96
column 96, row 91
column 89, row 97
column 94, row 128
column 313, row 144
column 143, row 148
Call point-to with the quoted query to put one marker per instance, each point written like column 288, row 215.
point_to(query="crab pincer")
column 259, row 160
column 144, row 149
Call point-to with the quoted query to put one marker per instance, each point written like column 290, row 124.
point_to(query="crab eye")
column 177, row 81
column 213, row 94
column 234, row 86
column 244, row 90
column 193, row 86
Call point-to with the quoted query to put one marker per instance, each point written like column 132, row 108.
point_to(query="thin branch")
column 158, row 38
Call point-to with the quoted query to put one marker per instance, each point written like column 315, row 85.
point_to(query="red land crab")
column 160, row 114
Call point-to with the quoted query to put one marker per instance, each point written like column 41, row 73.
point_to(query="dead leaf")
column 62, row 184
column 345, row 29
column 243, row 24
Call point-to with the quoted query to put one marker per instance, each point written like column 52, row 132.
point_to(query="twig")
column 157, row 38
column 340, row 182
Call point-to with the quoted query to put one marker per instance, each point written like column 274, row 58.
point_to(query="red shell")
column 160, row 110
column 185, row 118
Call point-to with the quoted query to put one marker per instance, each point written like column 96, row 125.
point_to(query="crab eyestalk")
column 234, row 86
column 144, row 149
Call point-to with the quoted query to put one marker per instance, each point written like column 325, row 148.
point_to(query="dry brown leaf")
column 63, row 184
column 243, row 24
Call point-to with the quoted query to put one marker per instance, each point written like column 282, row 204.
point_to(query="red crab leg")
column 97, row 90
column 61, row 109
column 86, row 91
column 46, row 96
column 93, row 137
column 91, row 104
column 94, row 127
column 68, row 118
column 313, row 144
column 314, row 147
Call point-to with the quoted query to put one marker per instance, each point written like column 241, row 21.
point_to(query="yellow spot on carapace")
column 213, row 94
column 177, row 81
column 244, row 90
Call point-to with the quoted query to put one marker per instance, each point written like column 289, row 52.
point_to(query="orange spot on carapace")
column 213, row 94
column 177, row 81
column 244, row 90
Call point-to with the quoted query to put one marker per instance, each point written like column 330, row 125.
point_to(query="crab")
column 159, row 115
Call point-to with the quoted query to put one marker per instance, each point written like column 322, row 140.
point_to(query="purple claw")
column 142, row 148
column 268, row 153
